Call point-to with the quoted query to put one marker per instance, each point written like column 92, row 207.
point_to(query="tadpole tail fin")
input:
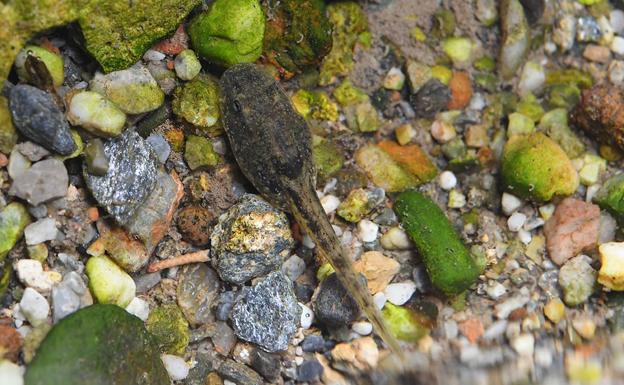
column 306, row 207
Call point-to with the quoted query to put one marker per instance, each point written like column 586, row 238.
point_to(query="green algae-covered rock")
column 13, row 219
column 53, row 62
column 362, row 117
column 315, row 105
column 187, row 65
column 519, row 124
column 118, row 32
column 535, row 167
column 230, row 32
column 109, row 284
column 356, row 205
column 8, row 133
column 98, row 345
column 199, row 152
column 197, row 102
column 297, row 35
column 327, row 158
column 96, row 114
column 349, row 21
column 459, row 50
column 554, row 123
column 611, row 196
column 347, row 94
column 404, row 323
column 169, row 328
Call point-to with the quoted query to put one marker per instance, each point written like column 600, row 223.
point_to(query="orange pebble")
column 93, row 214
column 461, row 91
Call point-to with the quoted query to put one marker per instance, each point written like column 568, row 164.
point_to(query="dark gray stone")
column 160, row 146
column 268, row 315
column 36, row 115
column 198, row 288
column 334, row 306
column 313, row 343
column 310, row 370
column 250, row 240
column 146, row 281
column 430, row 99
column 130, row 178
column 44, row 181
column 267, row 364
column 239, row 373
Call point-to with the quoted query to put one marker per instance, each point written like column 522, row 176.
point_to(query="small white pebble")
column 550, row 47
column 330, row 203
column 447, row 180
column 495, row 290
column 525, row 236
column 510, row 203
column 395, row 239
column 617, row 45
column 307, row 316
column 591, row 191
column 308, row 242
column 399, row 293
column 139, row 308
column 362, row 328
column 515, row 221
column 299, row 351
column 380, row 300
column 367, row 230
column 523, row 344
column 298, row 361
column 477, row 102
column 547, row 211
column 456, row 200
column 228, row 382
column 177, row 368
column 616, row 18
column 30, row 273
column 34, row 306
column 533, row 223
column 153, row 55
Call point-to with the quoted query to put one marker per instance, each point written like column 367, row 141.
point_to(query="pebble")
column 523, row 344
column 176, row 367
column 616, row 19
column 293, row 267
column 330, row 203
column 187, row 66
column 32, row 151
column 554, row 310
column 197, row 293
column 268, row 365
column 313, row 343
column 447, row 180
column 367, row 230
column 495, row 290
column 34, row 306
column 109, row 284
column 268, row 315
column 380, row 300
column 456, row 199
column 516, row 221
column 362, row 328
column 333, row 305
column 399, row 293
column 495, row 330
column 160, row 146
column 146, row 281
column 309, row 371
column 577, row 279
column 196, row 223
column 95, row 114
column 585, row 327
column 598, row 53
column 307, row 316
column 378, row 269
column 251, row 239
column 503, row 309
column 18, row 164
column 30, row 273
column 139, row 308
column 442, row 131
column 153, row 55
column 533, row 223
column 524, row 236
column 430, row 99
column 225, row 305
column 532, row 78
column 11, row 373
column 617, row 45
column 41, row 231
column 36, row 115
column 66, row 296
column 396, row 239
column 34, row 185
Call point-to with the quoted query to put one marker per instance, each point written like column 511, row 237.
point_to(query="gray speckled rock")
column 251, row 239
column 36, row 115
column 269, row 314
column 42, row 182
column 130, row 179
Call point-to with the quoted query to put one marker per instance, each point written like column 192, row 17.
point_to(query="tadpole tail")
column 305, row 206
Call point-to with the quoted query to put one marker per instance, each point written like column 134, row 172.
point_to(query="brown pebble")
column 597, row 53
column 518, row 314
column 195, row 223
column 461, row 91
column 10, row 343
column 472, row 329
column 93, row 214
column 601, row 114
column 213, row 379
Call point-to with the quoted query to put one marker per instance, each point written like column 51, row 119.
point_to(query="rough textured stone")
column 250, row 240
column 238, row 373
column 130, row 179
column 196, row 223
column 334, row 306
column 42, row 182
column 126, row 251
column 36, row 115
column 432, row 98
column 197, row 292
column 267, row 364
column 268, row 315
column 169, row 328
column 573, row 228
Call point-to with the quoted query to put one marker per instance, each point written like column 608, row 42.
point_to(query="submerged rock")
column 515, row 39
column 250, row 240
column 36, row 115
column 600, row 114
column 44, row 181
column 96, row 114
column 334, row 306
column 130, row 179
column 197, row 102
column 268, row 315
column 197, row 292
column 13, row 220
column 577, row 279
column 169, row 328
column 108, row 283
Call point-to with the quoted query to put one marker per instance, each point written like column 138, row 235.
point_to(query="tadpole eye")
column 237, row 106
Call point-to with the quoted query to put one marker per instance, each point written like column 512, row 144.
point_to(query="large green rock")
column 118, row 32
column 98, row 345
column 229, row 33
column 13, row 219
column 297, row 35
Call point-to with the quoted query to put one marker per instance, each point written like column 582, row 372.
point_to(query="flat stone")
column 34, row 306
column 197, row 292
column 130, row 179
column 334, row 306
column 267, row 364
column 41, row 231
column 44, row 181
column 268, row 315
column 239, row 373
column 32, row 151
column 36, row 115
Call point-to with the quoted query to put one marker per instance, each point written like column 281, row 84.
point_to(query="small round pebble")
column 616, row 18
column 362, row 328
column 187, row 66
column 34, row 306
column 310, row 370
column 395, row 239
column 399, row 293
column 380, row 300
column 524, row 236
column 307, row 316
column 177, row 368
column 330, row 203
column 516, row 221
column 495, row 290
column 617, row 45
column 447, row 180
column 367, row 230
column 510, row 203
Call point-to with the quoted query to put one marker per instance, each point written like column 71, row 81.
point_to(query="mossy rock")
column 169, row 328
column 327, row 158
column 98, row 345
column 197, row 102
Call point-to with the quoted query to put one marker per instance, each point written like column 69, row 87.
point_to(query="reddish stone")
column 175, row 44
column 10, row 343
column 472, row 329
column 461, row 91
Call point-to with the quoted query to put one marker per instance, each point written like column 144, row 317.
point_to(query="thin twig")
column 184, row 259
